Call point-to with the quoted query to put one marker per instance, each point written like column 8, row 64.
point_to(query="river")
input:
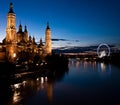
column 84, row 83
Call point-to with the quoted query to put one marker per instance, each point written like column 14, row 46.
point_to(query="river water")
column 84, row 83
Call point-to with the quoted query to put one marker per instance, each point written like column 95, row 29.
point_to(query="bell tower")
column 11, row 26
column 11, row 35
column 48, row 44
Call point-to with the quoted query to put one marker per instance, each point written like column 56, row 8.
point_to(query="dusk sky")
column 72, row 22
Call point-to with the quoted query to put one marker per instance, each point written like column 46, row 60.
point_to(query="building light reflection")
column 42, row 80
column 93, row 65
column 46, row 79
column 16, row 97
column 85, row 64
column 37, row 79
column 50, row 92
column 39, row 84
column 77, row 64
column 103, row 66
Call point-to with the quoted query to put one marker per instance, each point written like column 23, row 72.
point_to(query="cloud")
column 77, row 41
column 55, row 39
column 69, row 43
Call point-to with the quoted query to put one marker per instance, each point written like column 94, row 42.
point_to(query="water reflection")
column 83, row 80
column 104, row 68
column 92, row 65
column 30, row 86
column 24, row 88
column 16, row 97
column 22, row 91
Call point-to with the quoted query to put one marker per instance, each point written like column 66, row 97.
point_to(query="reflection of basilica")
column 16, row 42
column 27, row 87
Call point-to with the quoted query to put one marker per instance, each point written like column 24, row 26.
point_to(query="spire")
column 20, row 28
column 25, row 30
column 41, row 43
column 11, row 8
column 30, row 38
column 47, row 26
column 48, row 40
column 33, row 39
column 40, row 40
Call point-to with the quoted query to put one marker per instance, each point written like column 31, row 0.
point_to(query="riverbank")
column 52, row 63
column 114, row 58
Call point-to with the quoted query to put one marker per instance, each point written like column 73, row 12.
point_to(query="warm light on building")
column 48, row 43
column 16, row 42
column 14, row 55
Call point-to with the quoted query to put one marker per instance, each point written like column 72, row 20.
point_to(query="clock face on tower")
column 11, row 27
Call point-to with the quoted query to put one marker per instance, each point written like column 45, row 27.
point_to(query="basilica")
column 20, row 41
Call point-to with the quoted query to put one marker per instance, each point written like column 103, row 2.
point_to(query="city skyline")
column 72, row 23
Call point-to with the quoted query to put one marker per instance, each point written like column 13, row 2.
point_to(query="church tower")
column 25, row 34
column 11, row 35
column 11, row 26
column 48, row 44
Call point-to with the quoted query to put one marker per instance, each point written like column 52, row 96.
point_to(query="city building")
column 19, row 41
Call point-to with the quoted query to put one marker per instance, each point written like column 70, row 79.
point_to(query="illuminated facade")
column 16, row 42
column 48, row 39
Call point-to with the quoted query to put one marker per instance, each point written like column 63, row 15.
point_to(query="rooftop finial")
column 40, row 40
column 11, row 8
column 20, row 28
column 25, row 29
column 48, row 25
column 41, row 43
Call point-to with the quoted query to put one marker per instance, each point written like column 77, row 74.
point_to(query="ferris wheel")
column 103, row 50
